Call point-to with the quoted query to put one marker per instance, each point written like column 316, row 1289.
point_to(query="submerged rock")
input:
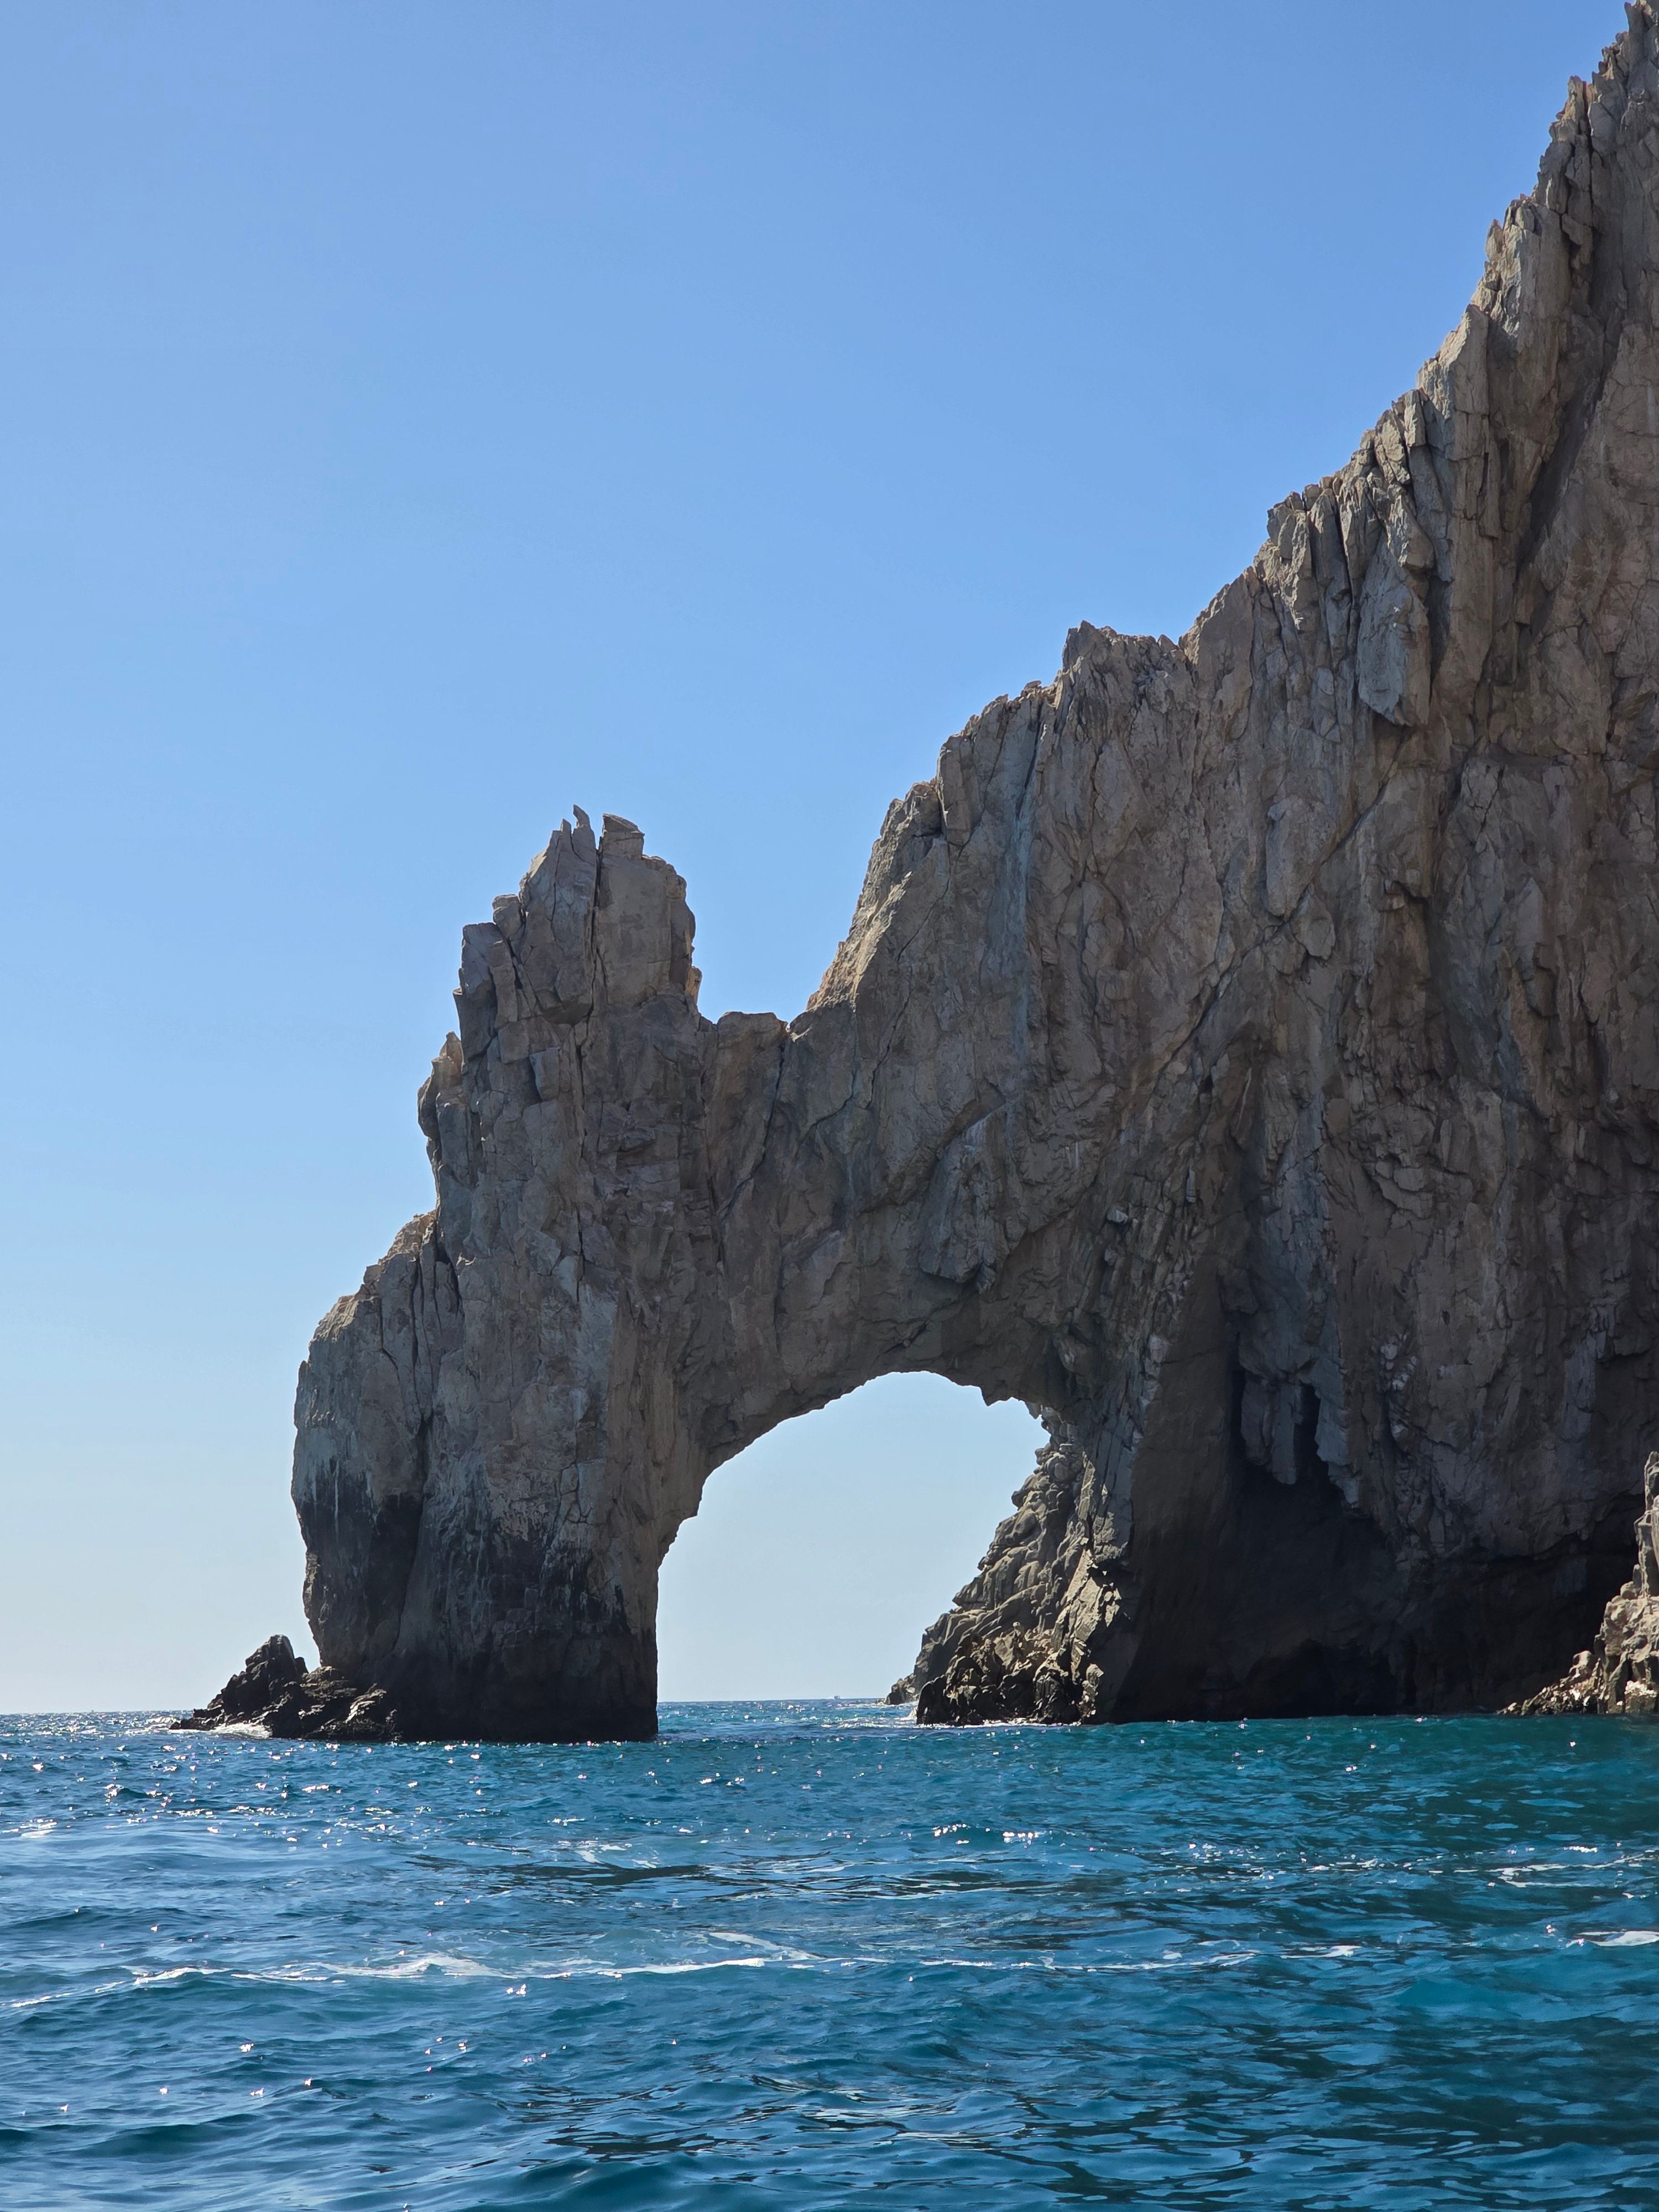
column 1245, row 1051
column 1619, row 1672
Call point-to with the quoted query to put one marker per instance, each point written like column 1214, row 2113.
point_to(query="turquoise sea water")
column 809, row 1955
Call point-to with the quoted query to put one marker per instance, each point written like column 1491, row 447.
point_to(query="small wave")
column 664, row 1967
column 402, row 1970
column 473, row 1970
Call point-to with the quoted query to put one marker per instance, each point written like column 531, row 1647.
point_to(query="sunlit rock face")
column 1244, row 1051
column 1618, row 1673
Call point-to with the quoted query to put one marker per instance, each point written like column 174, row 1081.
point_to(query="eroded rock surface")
column 1243, row 1051
column 1619, row 1672
column 277, row 1692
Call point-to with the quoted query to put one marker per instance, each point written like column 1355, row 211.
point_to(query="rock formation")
column 275, row 1691
column 1244, row 1052
column 1619, row 1673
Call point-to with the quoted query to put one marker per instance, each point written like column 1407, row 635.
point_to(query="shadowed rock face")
column 277, row 1694
column 1244, row 1050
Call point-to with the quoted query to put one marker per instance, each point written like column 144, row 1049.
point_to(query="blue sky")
column 423, row 416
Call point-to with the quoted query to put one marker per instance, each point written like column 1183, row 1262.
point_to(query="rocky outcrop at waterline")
column 274, row 1691
column 1243, row 1051
column 1619, row 1672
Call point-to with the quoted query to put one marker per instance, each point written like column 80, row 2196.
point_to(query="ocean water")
column 810, row 1955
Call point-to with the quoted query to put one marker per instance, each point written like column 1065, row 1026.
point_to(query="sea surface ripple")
column 804, row 1954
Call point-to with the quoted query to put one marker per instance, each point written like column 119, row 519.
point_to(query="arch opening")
column 820, row 1554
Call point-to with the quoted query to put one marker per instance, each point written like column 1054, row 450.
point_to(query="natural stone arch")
column 1243, row 1050
column 674, row 1235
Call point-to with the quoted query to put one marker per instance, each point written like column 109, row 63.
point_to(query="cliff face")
column 1244, row 1051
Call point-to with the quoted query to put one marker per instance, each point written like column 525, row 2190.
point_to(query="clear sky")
column 420, row 416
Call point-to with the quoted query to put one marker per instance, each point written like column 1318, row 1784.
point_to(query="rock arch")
column 1244, row 1050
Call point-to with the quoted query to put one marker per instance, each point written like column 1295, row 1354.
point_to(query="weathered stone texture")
column 1243, row 1051
column 276, row 1692
column 1619, row 1673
